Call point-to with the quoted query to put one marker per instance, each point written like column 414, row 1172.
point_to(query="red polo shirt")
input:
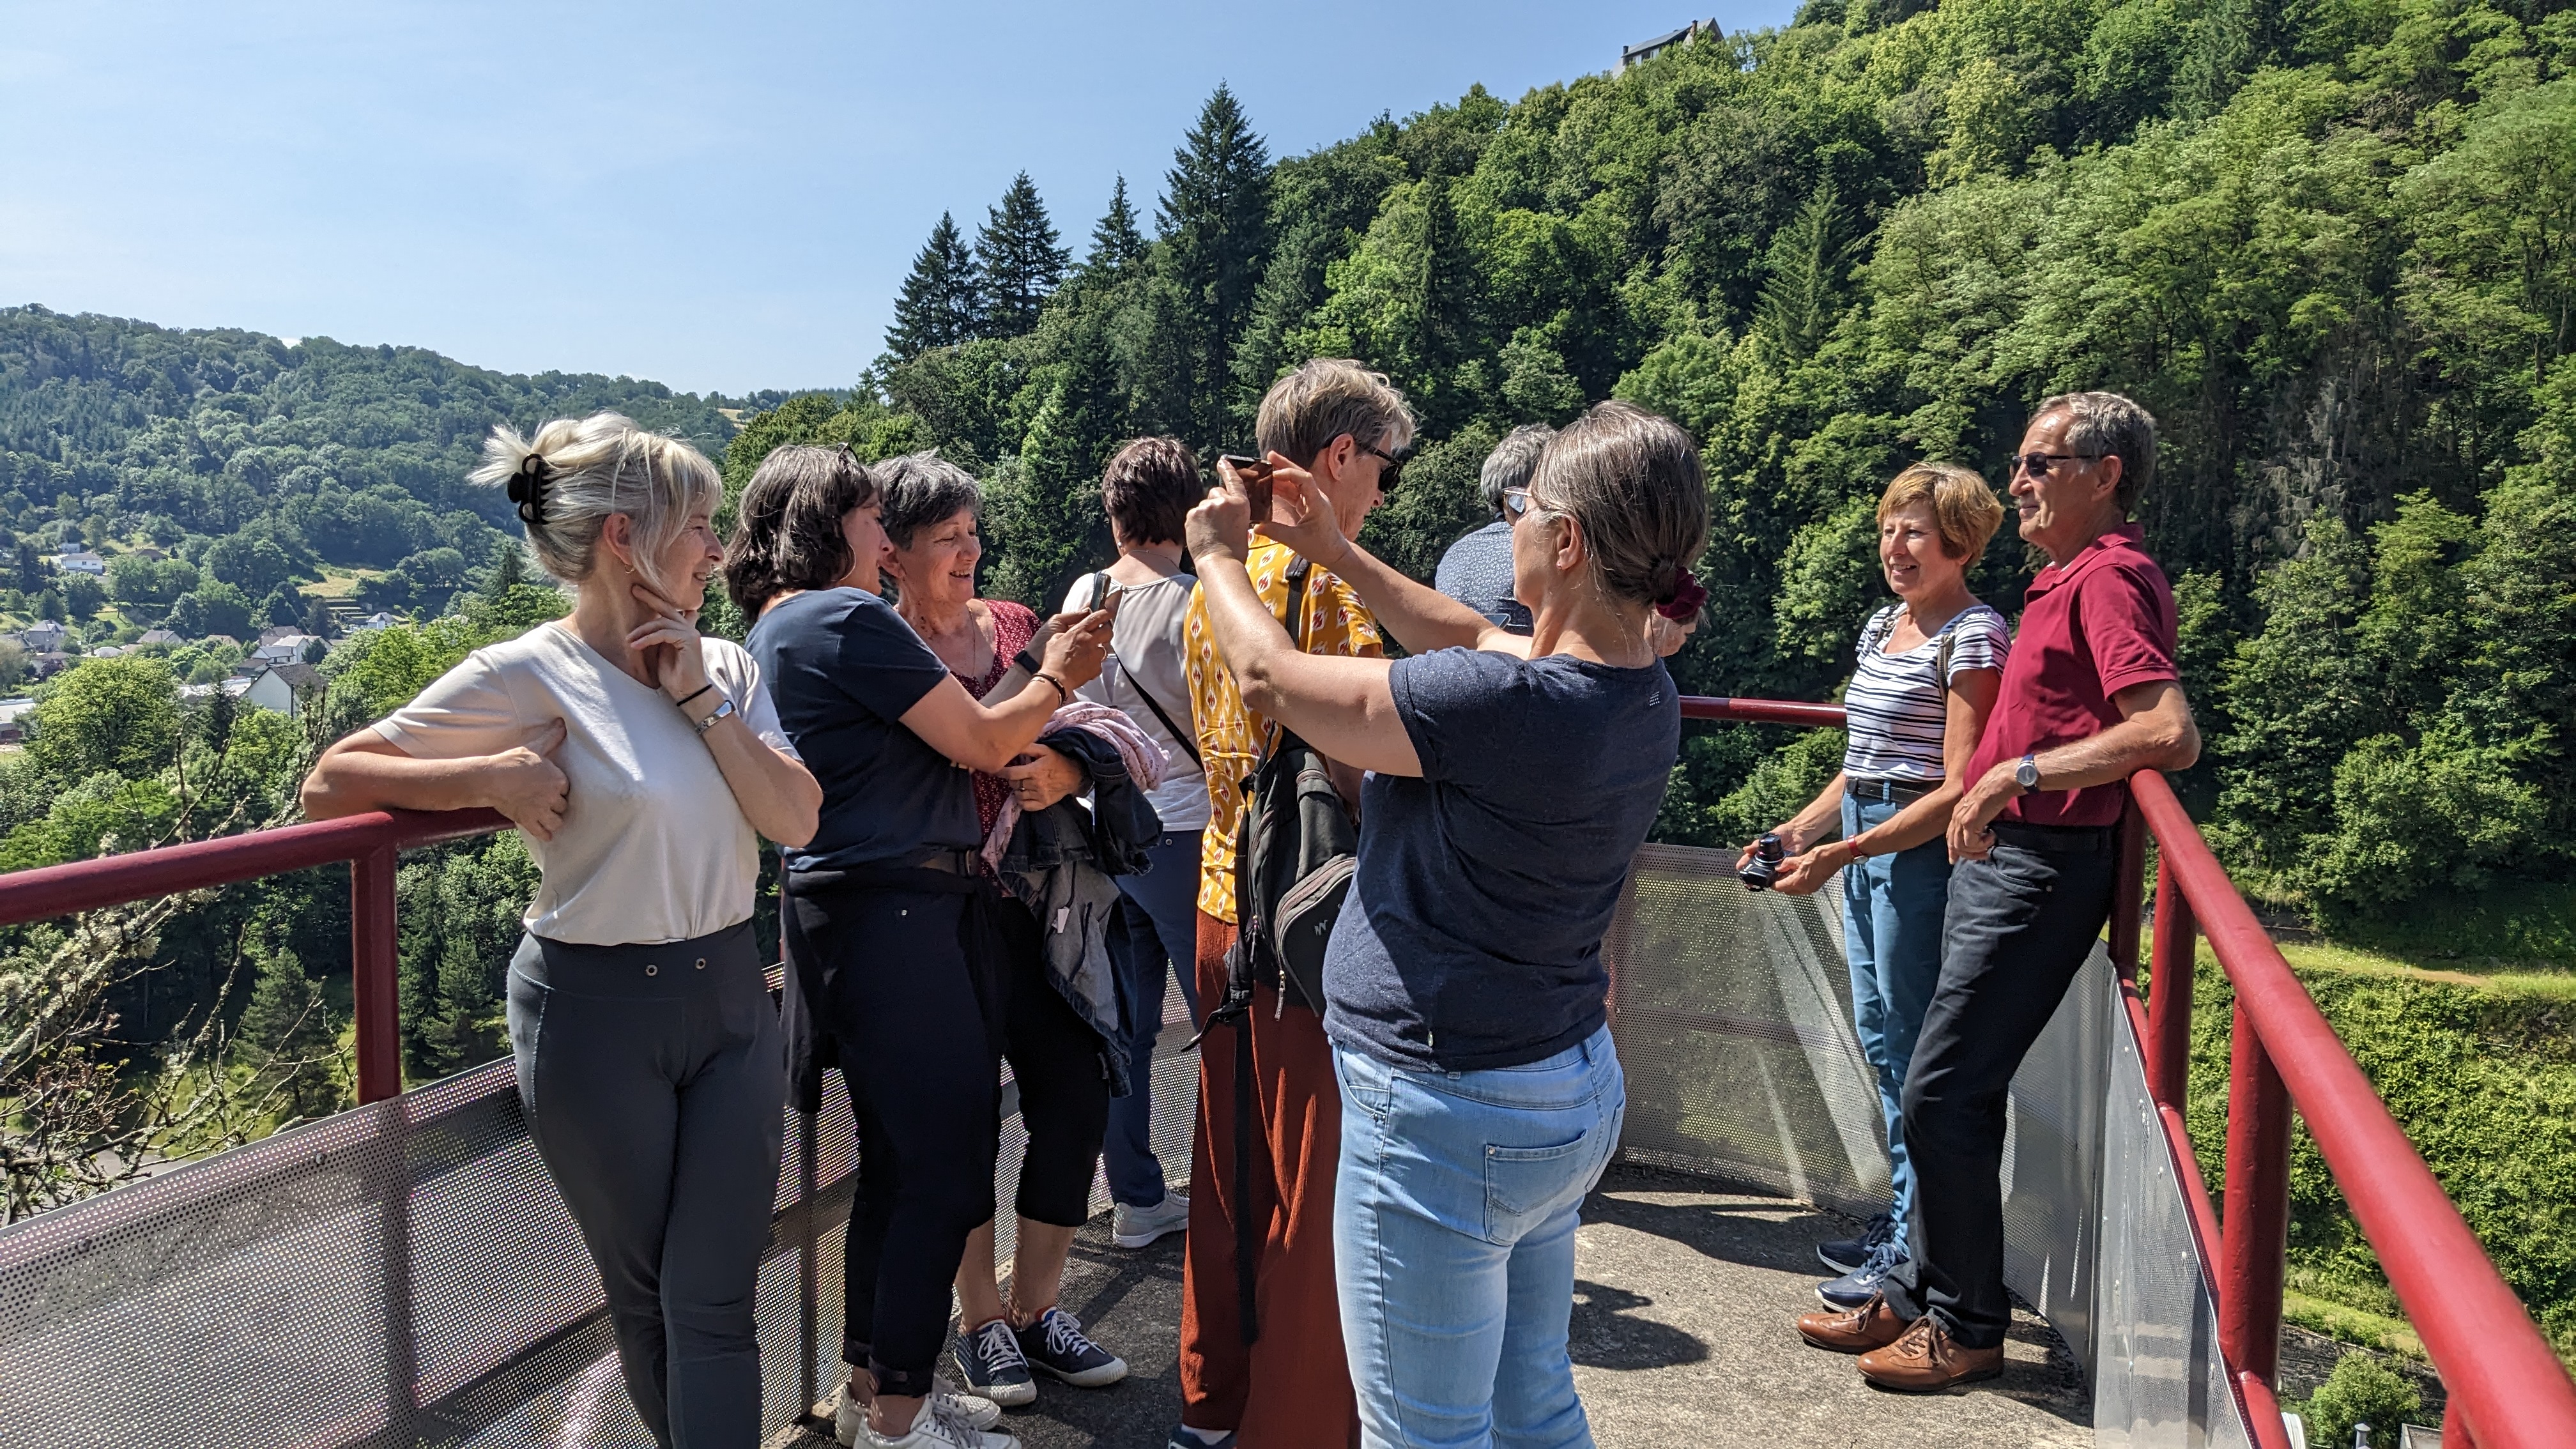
column 2099, row 624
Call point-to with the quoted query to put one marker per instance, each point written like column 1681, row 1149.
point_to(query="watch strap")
column 723, row 708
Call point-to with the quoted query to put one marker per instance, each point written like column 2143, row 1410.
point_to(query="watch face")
column 2026, row 774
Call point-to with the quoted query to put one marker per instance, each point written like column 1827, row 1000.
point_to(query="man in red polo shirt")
column 2089, row 697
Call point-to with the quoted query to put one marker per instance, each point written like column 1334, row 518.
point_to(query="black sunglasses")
column 2039, row 463
column 1393, row 472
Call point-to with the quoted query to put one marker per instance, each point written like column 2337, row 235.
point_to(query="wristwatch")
column 723, row 708
column 2026, row 774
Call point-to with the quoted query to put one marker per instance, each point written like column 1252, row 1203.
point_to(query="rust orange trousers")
column 1292, row 1388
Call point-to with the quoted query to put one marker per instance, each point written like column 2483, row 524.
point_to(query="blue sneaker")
column 1056, row 1346
column 1184, row 1439
column 1846, row 1254
column 1861, row 1284
column 989, row 1360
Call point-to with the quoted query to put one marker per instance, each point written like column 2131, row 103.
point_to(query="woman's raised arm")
column 988, row 738
column 1343, row 707
column 1420, row 617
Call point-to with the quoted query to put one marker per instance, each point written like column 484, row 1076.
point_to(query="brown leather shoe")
column 1927, row 1360
column 1857, row 1330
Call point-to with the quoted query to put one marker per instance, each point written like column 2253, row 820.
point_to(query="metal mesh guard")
column 400, row 1274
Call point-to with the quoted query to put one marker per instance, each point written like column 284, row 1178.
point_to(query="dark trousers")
column 901, row 1003
column 2020, row 924
column 655, row 1085
column 1064, row 1085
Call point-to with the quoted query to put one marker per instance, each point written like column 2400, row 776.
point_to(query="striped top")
column 1897, row 709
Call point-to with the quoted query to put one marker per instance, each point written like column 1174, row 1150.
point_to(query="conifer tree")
column 1017, row 262
column 1045, row 520
column 1117, row 243
column 1214, row 224
column 939, row 305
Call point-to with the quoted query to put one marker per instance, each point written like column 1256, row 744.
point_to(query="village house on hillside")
column 83, row 562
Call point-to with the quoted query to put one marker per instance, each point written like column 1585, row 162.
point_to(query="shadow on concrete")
column 1606, row 1335
column 1767, row 1233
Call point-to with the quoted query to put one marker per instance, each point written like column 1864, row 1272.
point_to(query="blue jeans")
column 1892, row 911
column 1453, row 1243
column 1153, row 938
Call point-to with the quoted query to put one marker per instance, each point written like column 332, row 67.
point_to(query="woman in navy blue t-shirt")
column 1512, row 776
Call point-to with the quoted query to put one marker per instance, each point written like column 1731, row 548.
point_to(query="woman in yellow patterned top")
column 1292, row 1388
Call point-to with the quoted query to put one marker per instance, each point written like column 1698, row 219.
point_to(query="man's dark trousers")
column 2020, row 924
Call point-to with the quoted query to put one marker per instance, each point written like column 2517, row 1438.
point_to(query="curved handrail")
column 2492, row 1359
column 115, row 880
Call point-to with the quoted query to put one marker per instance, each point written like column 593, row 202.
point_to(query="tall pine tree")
column 939, row 305
column 1117, row 243
column 1215, row 230
column 1045, row 519
column 1017, row 262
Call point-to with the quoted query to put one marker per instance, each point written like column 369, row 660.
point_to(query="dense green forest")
column 259, row 468
column 2331, row 243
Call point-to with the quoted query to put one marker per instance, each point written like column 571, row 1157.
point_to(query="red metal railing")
column 2507, row 1388
column 368, row 843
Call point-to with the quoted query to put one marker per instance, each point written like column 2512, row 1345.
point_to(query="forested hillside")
column 293, row 457
column 2331, row 243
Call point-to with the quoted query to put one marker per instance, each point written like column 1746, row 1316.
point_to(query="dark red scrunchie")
column 1687, row 598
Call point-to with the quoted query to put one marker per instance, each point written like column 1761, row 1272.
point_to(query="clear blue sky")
column 718, row 197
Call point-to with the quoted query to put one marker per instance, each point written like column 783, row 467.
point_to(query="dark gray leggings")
column 655, row 1084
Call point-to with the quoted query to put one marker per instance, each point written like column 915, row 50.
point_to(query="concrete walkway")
column 1683, row 1299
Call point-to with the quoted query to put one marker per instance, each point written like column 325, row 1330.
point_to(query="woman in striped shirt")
column 1929, row 665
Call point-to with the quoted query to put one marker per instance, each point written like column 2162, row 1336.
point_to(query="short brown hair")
column 787, row 527
column 1964, row 508
column 1305, row 411
column 2108, row 424
column 1148, row 488
column 1633, row 481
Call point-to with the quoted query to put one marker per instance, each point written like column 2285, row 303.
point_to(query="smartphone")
column 1255, row 474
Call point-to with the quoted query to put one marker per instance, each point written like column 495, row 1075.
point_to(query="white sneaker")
column 850, row 1417
column 938, row 1426
column 1135, row 1227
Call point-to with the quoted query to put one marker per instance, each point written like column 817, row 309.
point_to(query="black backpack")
column 1295, row 853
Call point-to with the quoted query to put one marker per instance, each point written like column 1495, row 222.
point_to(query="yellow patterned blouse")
column 1231, row 736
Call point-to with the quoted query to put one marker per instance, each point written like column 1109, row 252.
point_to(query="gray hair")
column 1633, row 481
column 2108, row 424
column 1512, row 462
column 1305, row 411
column 923, row 490
column 594, row 467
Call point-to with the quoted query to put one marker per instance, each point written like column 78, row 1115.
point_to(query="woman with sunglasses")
column 1511, row 778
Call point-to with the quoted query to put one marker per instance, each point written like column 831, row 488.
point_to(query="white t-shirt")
column 1897, row 710
column 653, row 847
column 1145, row 654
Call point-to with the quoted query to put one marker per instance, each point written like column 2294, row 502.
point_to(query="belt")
column 1886, row 792
column 948, row 860
column 2057, row 839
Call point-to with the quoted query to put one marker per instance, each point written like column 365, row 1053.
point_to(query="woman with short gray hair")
column 1513, row 776
column 642, row 761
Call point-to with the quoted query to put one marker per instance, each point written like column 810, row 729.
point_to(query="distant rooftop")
column 1646, row 50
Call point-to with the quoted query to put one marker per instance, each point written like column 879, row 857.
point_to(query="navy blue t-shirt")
column 843, row 667
column 1471, row 938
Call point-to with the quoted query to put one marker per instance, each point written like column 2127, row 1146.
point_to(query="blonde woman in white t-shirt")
column 643, row 762
column 1927, row 672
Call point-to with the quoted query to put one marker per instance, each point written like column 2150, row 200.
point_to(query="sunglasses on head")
column 2038, row 464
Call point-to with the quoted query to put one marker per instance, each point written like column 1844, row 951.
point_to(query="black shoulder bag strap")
column 1186, row 739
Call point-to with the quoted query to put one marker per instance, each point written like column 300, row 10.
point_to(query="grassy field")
column 2476, row 1056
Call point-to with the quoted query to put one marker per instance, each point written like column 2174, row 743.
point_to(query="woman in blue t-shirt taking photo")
column 1927, row 671
column 1512, row 777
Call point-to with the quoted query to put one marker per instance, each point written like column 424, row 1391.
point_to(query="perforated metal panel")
column 2159, row 1382
column 1732, row 1010
column 403, row 1273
